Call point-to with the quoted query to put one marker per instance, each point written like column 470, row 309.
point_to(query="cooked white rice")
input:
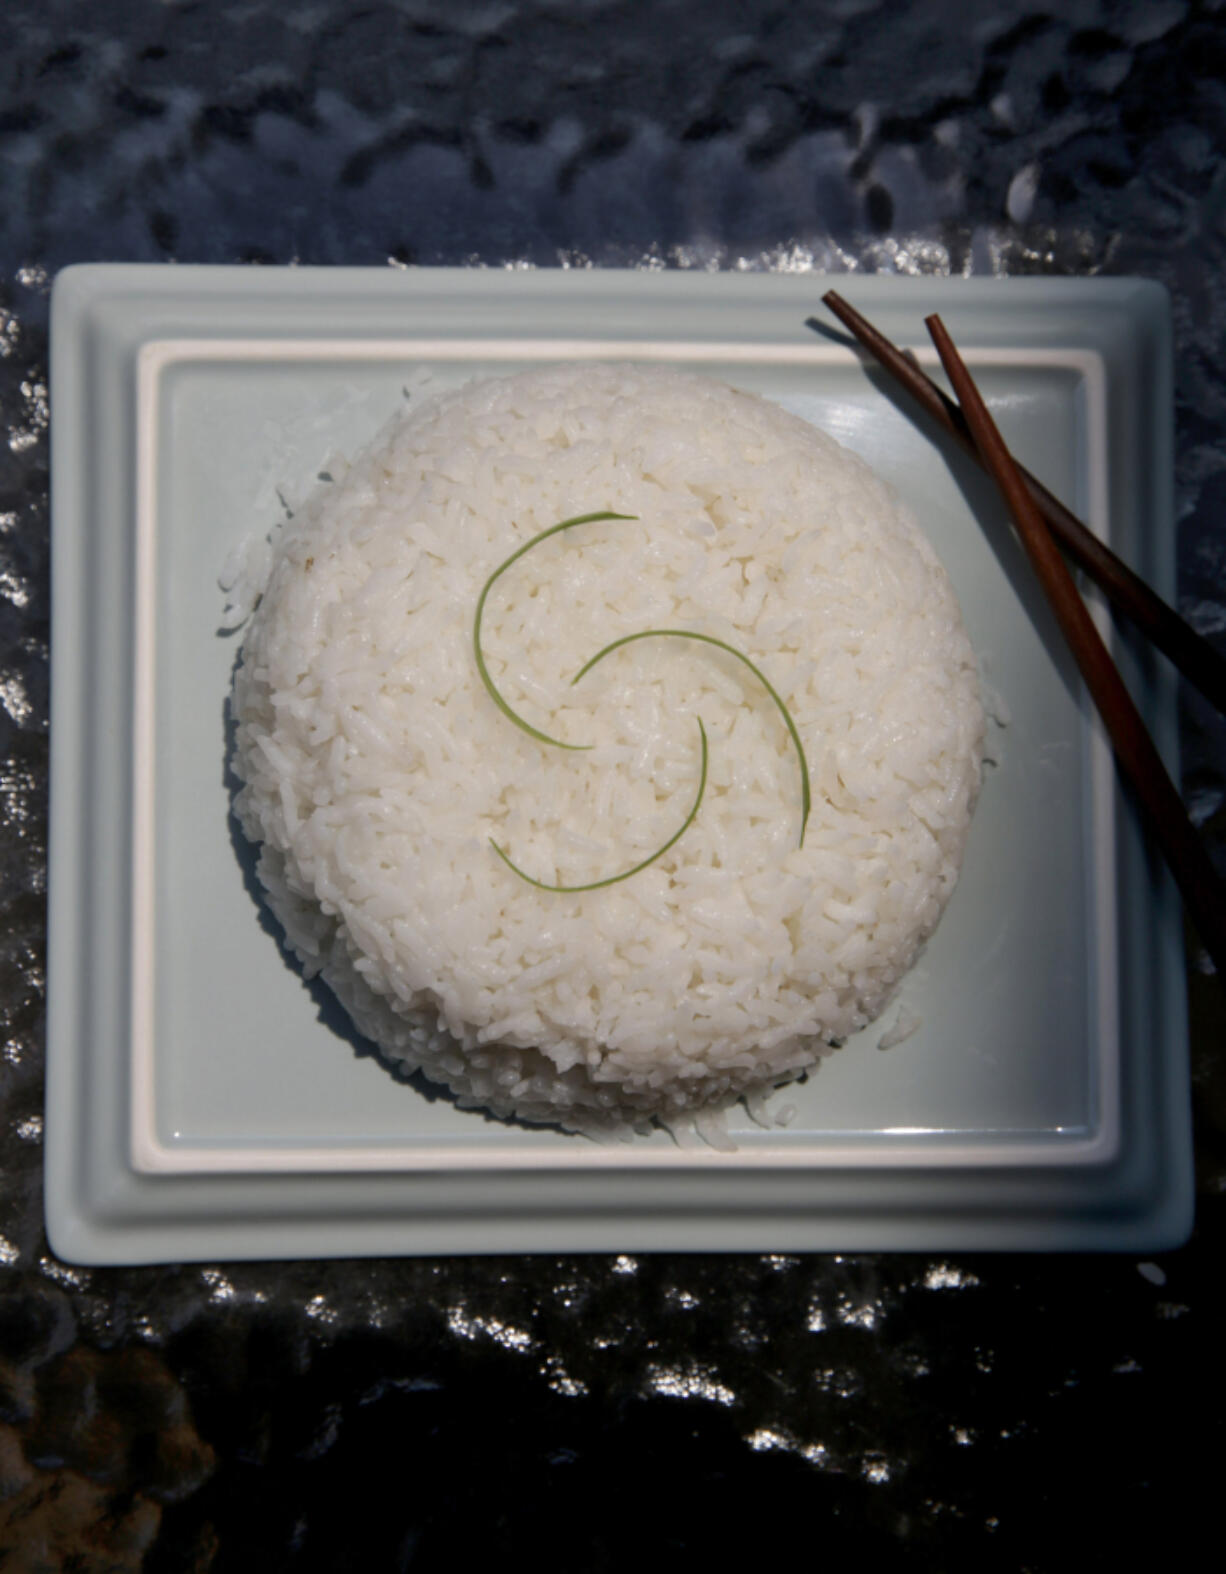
column 376, row 767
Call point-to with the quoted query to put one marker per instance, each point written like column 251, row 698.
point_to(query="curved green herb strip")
column 709, row 639
column 533, row 732
column 613, row 879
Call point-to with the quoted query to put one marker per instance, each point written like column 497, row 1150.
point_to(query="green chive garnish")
column 628, row 639
column 709, row 639
column 613, row 879
column 524, row 726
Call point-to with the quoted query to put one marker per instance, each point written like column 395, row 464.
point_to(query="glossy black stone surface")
column 1019, row 1413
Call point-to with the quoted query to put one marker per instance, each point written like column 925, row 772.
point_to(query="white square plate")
column 203, row 1102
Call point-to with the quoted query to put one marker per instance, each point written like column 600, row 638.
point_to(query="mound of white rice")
column 376, row 768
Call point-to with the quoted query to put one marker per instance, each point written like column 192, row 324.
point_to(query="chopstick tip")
column 946, row 349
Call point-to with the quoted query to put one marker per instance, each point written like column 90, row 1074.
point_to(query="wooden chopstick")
column 1195, row 657
column 1138, row 759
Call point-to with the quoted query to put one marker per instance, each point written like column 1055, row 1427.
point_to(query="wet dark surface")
column 1019, row 1413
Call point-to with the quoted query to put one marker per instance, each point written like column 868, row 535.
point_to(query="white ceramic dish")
column 204, row 1103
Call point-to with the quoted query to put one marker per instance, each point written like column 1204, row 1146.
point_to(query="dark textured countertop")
column 1000, row 1412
